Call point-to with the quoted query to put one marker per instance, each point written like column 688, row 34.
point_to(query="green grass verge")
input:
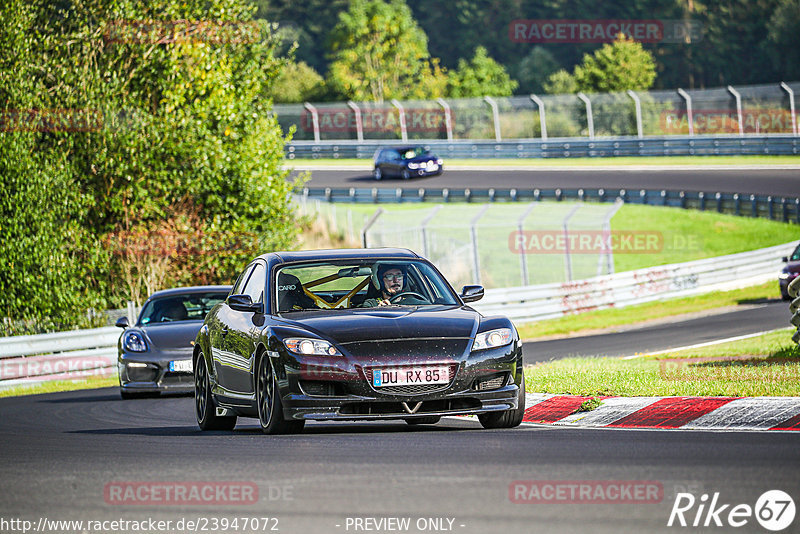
column 766, row 365
column 630, row 315
column 686, row 235
column 571, row 162
column 61, row 385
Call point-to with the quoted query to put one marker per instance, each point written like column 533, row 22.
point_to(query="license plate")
column 181, row 366
column 401, row 376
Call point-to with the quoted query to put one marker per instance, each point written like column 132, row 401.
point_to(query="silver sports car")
column 155, row 354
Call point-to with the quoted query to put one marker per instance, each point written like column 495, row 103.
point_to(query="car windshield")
column 414, row 152
column 357, row 284
column 187, row 307
column 796, row 254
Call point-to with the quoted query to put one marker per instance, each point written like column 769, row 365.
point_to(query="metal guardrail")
column 60, row 356
column 794, row 307
column 764, row 206
column 549, row 301
column 568, row 147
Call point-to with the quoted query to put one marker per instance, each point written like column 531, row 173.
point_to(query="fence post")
column 791, row 106
column 368, row 225
column 474, row 235
column 424, row 226
column 403, row 130
column 567, row 255
column 542, row 121
column 618, row 203
column 314, row 120
column 638, row 105
column 359, row 125
column 448, row 122
column 496, row 115
column 689, row 114
column 589, row 117
column 738, row 98
column 523, row 262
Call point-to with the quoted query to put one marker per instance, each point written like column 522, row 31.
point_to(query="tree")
column 297, row 82
column 534, row 70
column 480, row 76
column 171, row 114
column 615, row 67
column 378, row 52
column 561, row 82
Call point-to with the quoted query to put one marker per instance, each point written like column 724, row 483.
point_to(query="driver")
column 392, row 281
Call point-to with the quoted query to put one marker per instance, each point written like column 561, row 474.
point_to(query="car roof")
column 188, row 290
column 340, row 254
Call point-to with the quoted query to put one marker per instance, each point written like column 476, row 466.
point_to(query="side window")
column 238, row 287
column 255, row 285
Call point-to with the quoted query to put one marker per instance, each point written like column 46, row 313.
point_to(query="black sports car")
column 357, row 335
column 155, row 354
column 406, row 162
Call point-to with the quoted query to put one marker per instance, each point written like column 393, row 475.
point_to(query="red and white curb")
column 685, row 413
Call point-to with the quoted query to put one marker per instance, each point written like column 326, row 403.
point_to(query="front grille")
column 141, row 374
column 412, row 389
column 397, row 408
column 485, row 384
column 172, row 378
column 319, row 388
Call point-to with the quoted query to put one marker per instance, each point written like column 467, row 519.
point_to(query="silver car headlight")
column 133, row 341
column 783, row 276
column 316, row 347
column 492, row 338
column 414, row 165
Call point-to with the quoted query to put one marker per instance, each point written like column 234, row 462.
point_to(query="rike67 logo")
column 774, row 510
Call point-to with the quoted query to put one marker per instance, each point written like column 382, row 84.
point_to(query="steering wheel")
column 406, row 293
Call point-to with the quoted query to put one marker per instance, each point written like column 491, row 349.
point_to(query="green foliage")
column 480, row 76
column 618, row 66
column 297, row 82
column 378, row 52
column 170, row 121
column 561, row 82
column 534, row 70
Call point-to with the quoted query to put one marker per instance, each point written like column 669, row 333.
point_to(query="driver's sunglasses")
column 392, row 276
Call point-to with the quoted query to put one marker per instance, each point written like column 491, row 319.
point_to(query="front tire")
column 377, row 173
column 405, row 174
column 206, row 412
column 270, row 407
column 509, row 418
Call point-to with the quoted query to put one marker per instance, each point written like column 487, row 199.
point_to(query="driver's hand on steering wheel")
column 384, row 302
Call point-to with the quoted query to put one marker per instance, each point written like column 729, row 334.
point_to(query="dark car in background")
column 789, row 272
column 310, row 335
column 406, row 162
column 155, row 354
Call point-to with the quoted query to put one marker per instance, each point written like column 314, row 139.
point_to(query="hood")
column 172, row 336
column 390, row 323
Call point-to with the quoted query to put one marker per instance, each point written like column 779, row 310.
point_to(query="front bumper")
column 488, row 381
column 366, row 408
column 150, row 372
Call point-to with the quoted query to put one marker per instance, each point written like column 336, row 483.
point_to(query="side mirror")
column 243, row 303
column 471, row 293
column 122, row 322
column 785, row 259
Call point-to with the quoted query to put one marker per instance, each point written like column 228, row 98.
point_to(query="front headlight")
column 783, row 276
column 134, row 342
column 413, row 165
column 317, row 347
column 492, row 338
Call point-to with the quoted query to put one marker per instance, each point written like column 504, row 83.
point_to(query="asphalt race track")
column 627, row 342
column 65, row 454
column 62, row 451
column 778, row 182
